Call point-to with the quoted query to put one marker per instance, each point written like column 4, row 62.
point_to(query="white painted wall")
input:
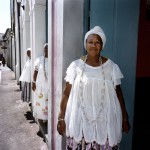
column 17, row 66
column 55, row 37
column 50, row 47
column 65, row 43
column 37, row 26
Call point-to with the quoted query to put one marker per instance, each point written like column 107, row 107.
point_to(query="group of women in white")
column 92, row 109
column 39, row 81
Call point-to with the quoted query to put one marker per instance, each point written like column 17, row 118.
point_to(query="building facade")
column 63, row 25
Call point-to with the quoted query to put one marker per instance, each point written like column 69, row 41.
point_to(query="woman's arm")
column 125, row 122
column 34, row 80
column 61, row 126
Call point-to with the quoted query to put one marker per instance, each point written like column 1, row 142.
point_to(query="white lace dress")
column 40, row 106
column 93, row 110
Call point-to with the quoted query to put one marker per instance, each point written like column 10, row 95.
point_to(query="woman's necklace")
column 102, row 92
column 45, row 74
column 100, row 60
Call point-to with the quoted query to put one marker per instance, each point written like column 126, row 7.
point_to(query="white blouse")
column 93, row 109
column 26, row 72
column 41, row 81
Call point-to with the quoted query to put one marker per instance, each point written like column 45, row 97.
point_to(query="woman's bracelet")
column 60, row 119
column 33, row 81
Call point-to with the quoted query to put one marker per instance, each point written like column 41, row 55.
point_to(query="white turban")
column 96, row 30
column 28, row 49
column 46, row 45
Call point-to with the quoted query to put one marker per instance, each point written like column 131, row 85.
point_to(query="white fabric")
column 26, row 72
column 29, row 49
column 40, row 107
column 96, row 30
column 93, row 109
column 39, row 66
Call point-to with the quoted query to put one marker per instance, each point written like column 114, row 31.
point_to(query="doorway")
column 141, row 124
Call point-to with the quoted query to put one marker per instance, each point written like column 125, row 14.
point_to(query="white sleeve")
column 117, row 75
column 71, row 73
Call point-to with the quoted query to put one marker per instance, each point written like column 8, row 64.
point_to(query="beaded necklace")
column 45, row 74
column 81, row 91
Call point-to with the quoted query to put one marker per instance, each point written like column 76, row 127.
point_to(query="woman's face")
column 29, row 54
column 46, row 51
column 94, row 45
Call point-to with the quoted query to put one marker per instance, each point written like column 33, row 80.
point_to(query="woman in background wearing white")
column 25, row 78
column 40, row 86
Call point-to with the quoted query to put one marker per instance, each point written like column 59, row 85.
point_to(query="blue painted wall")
column 119, row 20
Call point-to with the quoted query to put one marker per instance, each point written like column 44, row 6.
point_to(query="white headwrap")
column 28, row 49
column 46, row 45
column 96, row 30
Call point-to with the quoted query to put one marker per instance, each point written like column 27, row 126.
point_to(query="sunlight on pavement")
column 5, row 68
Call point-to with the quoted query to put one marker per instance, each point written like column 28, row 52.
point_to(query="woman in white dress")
column 40, row 86
column 92, row 110
column 25, row 78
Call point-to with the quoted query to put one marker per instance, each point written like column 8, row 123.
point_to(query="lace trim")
column 94, row 120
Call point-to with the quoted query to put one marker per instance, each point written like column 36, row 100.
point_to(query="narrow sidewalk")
column 18, row 130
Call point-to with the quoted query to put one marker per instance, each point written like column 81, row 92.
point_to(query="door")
column 119, row 20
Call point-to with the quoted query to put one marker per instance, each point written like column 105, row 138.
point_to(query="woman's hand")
column 61, row 127
column 34, row 80
column 33, row 86
column 125, row 125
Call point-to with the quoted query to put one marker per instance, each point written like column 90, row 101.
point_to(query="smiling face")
column 94, row 45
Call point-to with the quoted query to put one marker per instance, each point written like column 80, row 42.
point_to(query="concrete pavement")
column 18, row 130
